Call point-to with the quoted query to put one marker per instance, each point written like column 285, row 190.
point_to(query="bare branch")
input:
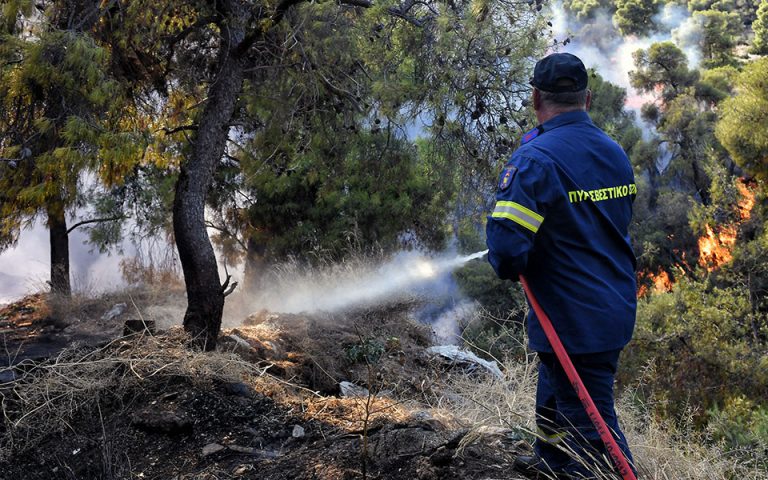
column 402, row 12
column 227, row 289
column 171, row 131
column 95, row 220
column 226, row 232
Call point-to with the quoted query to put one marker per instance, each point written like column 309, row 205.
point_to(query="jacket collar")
column 566, row 118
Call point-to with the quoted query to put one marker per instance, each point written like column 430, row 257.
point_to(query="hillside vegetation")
column 239, row 133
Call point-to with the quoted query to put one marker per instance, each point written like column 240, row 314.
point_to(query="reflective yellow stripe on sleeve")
column 518, row 214
column 551, row 439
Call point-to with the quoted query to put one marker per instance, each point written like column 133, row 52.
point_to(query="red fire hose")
column 589, row 406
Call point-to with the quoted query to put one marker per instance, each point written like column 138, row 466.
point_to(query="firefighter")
column 563, row 207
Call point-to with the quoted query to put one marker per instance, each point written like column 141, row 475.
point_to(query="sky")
column 25, row 268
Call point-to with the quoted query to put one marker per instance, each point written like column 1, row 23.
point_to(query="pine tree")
column 743, row 125
column 760, row 27
column 57, row 120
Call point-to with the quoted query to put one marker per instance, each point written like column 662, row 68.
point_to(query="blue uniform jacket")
column 563, row 208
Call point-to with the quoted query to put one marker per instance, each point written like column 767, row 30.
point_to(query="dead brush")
column 486, row 401
column 668, row 451
column 661, row 452
column 50, row 394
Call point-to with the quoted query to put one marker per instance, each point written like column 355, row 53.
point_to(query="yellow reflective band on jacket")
column 518, row 214
column 551, row 439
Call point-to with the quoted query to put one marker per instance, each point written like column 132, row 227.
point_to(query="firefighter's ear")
column 589, row 100
column 536, row 99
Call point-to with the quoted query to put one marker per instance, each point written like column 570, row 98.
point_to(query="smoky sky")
column 25, row 268
column 600, row 45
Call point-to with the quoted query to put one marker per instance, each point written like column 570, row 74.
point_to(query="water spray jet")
column 400, row 277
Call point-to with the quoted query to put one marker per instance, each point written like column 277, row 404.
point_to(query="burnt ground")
column 268, row 405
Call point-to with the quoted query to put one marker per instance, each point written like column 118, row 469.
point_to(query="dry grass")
column 349, row 414
column 666, row 452
column 489, row 402
column 661, row 453
column 50, row 394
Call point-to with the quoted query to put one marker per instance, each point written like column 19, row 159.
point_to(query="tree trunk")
column 205, row 296
column 59, row 239
column 254, row 265
column 701, row 182
column 653, row 184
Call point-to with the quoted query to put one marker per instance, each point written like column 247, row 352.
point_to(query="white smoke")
column 600, row 45
column 447, row 325
column 339, row 287
column 25, row 268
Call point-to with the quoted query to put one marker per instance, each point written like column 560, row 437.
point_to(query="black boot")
column 537, row 469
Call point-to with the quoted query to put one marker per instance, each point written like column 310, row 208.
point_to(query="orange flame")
column 715, row 247
column 662, row 282
column 747, row 201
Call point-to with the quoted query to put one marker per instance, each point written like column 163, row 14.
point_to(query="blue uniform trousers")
column 565, row 430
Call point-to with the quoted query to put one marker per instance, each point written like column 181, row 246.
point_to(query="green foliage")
column 12, row 11
column 468, row 237
column 500, row 298
column 329, row 164
column 661, row 234
column 760, row 27
column 585, row 10
column 698, row 338
column 662, row 66
column 367, row 351
column 608, row 113
column 364, row 194
column 743, row 425
column 716, row 84
column 724, row 208
column 743, row 125
column 59, row 115
column 685, row 124
column 718, row 38
column 748, row 270
column 635, row 17
column 499, row 330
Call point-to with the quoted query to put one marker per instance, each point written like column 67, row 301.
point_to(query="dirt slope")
column 268, row 405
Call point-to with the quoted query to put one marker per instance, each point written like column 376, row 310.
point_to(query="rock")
column 71, row 329
column 426, row 421
column 240, row 341
column 161, row 421
column 274, row 351
column 349, row 389
column 395, row 442
column 212, row 448
column 116, row 310
column 240, row 449
column 256, row 452
column 242, row 347
column 298, row 431
column 467, row 360
column 242, row 470
column 238, row 389
column 259, row 317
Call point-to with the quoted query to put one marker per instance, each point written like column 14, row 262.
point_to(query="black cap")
column 551, row 74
